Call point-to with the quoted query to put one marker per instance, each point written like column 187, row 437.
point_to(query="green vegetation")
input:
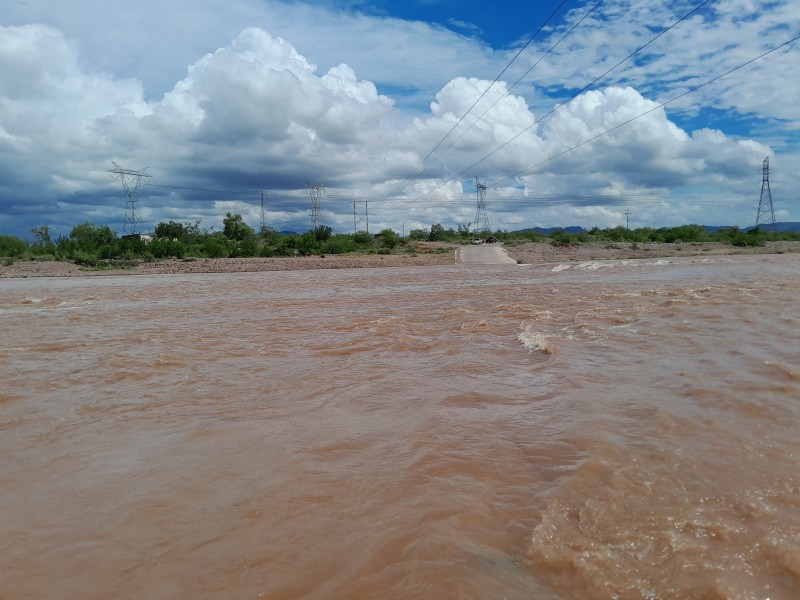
column 98, row 247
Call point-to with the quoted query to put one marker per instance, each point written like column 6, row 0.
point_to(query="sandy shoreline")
column 539, row 253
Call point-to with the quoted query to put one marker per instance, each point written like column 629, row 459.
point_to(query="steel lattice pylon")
column 481, row 222
column 316, row 192
column 358, row 219
column 131, row 181
column 766, row 212
column 263, row 209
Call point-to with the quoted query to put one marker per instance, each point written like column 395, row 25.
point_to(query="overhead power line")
column 496, row 79
column 575, row 95
column 193, row 189
column 524, row 75
column 647, row 112
column 616, row 127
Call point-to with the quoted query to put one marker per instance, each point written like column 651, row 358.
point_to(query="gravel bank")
column 428, row 255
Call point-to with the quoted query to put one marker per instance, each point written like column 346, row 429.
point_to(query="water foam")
column 534, row 340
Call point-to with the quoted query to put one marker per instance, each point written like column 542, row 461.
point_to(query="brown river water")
column 617, row 429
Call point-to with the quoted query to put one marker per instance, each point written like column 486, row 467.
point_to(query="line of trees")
column 90, row 244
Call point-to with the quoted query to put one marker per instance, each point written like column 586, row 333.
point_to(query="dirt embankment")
column 427, row 255
column 545, row 253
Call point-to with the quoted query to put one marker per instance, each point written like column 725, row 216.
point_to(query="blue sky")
column 500, row 26
column 219, row 103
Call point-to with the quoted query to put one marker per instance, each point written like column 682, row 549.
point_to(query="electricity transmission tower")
column 766, row 213
column 263, row 209
column 131, row 181
column 316, row 192
column 481, row 221
column 360, row 218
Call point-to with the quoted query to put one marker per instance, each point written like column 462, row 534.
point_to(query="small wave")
column 561, row 267
column 534, row 340
column 591, row 266
column 786, row 372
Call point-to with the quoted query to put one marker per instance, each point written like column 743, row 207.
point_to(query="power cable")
column 586, row 87
column 647, row 112
column 177, row 187
column 508, row 92
column 620, row 125
column 400, row 186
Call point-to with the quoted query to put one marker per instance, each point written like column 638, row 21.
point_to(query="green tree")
column 172, row 230
column 322, row 232
column 235, row 228
column 437, row 231
column 90, row 237
column 41, row 236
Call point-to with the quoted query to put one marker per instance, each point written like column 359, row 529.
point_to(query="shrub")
column 339, row 244
column 389, row 238
column 364, row 237
column 215, row 247
column 322, row 232
column 81, row 257
column 11, row 245
column 307, row 244
column 165, row 248
column 560, row 238
column 244, row 248
column 748, row 239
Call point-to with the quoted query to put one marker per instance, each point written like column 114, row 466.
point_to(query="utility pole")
column 360, row 218
column 766, row 213
column 263, row 209
column 481, row 217
column 627, row 214
column 316, row 192
column 131, row 181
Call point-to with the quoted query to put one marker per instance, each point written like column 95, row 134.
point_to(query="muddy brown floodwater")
column 584, row 430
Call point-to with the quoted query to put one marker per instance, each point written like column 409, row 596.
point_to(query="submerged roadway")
column 483, row 254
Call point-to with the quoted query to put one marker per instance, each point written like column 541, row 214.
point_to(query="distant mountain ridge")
column 791, row 226
column 549, row 230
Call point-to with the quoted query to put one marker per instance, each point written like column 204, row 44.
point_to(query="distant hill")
column 549, row 230
column 792, row 226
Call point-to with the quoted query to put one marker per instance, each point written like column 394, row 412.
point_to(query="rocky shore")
column 428, row 255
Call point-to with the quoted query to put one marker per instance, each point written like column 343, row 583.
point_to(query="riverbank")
column 543, row 253
column 427, row 255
